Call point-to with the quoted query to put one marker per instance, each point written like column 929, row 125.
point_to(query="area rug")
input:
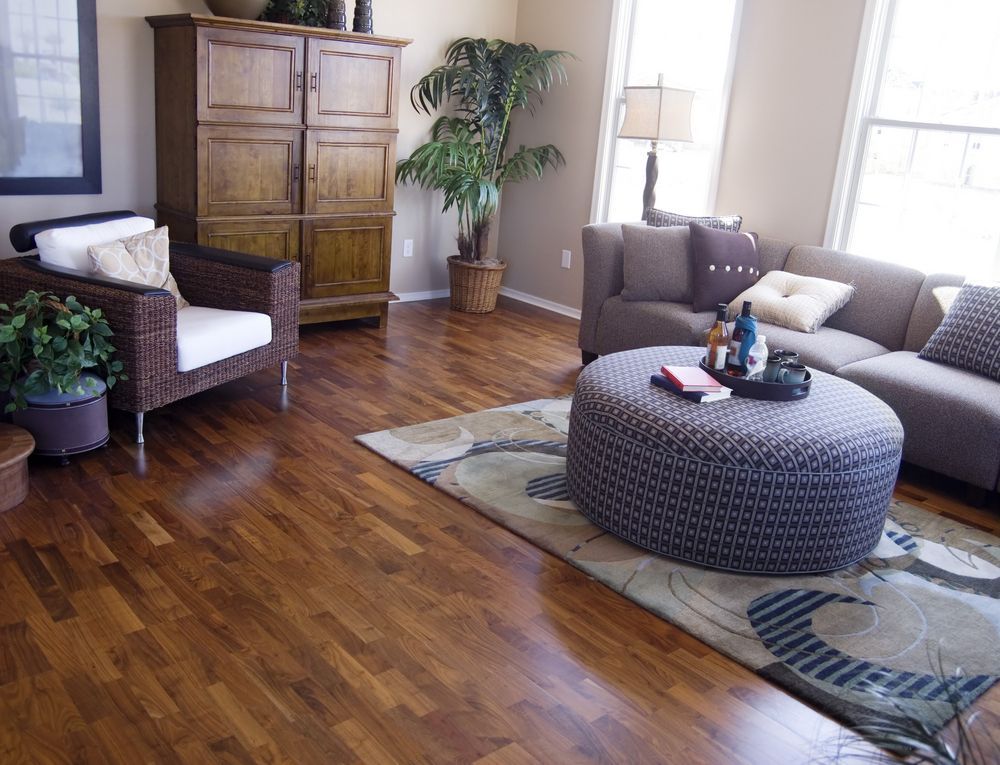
column 910, row 632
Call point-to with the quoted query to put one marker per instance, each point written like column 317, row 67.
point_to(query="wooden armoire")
column 280, row 140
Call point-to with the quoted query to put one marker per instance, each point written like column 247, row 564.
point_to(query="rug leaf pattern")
column 911, row 630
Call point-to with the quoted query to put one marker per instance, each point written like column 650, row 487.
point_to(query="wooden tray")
column 764, row 391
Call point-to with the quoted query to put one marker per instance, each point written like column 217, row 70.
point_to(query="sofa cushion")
column 827, row 349
column 969, row 335
column 794, row 301
column 207, row 335
column 67, row 247
column 143, row 258
column 625, row 325
column 657, row 263
column 951, row 417
column 936, row 295
column 723, row 264
column 663, row 219
column 773, row 253
column 875, row 312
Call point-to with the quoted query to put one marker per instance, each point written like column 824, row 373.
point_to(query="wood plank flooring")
column 252, row 586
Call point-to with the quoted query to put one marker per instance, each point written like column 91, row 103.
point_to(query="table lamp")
column 656, row 114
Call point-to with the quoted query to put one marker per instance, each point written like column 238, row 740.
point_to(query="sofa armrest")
column 143, row 318
column 603, row 276
column 235, row 281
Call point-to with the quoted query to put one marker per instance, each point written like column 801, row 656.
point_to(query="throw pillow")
column 797, row 302
column 143, row 259
column 662, row 219
column 723, row 265
column 657, row 264
column 969, row 334
column 67, row 247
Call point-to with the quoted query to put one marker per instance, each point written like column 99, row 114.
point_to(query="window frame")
column 613, row 104
column 860, row 121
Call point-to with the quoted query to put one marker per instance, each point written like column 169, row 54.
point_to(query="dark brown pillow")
column 723, row 265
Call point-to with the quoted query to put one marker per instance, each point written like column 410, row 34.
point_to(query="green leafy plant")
column 46, row 344
column 308, row 13
column 466, row 159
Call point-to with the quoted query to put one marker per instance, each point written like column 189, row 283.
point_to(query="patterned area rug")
column 883, row 638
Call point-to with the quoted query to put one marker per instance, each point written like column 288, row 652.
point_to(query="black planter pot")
column 64, row 424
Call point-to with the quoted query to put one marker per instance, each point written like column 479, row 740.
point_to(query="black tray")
column 764, row 391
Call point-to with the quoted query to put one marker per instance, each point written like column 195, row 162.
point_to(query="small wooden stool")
column 15, row 446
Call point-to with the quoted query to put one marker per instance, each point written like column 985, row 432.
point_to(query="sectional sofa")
column 951, row 417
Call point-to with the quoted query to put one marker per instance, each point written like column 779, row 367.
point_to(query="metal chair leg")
column 284, row 373
column 139, row 417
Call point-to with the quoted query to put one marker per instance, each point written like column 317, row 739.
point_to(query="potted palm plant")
column 467, row 159
column 56, row 363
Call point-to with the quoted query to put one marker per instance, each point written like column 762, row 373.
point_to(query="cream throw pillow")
column 143, row 259
column 796, row 302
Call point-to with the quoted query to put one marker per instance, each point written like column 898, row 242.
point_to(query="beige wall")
column 790, row 91
column 786, row 117
column 127, row 130
column 539, row 219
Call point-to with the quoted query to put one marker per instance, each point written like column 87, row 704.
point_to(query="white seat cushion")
column 207, row 335
column 67, row 247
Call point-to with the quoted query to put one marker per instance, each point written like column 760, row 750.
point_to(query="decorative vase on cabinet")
column 281, row 141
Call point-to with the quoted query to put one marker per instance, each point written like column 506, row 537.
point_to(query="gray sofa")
column 951, row 417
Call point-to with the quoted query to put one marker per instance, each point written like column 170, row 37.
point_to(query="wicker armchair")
column 144, row 318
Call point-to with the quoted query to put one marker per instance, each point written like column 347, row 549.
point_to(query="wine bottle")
column 734, row 367
column 718, row 340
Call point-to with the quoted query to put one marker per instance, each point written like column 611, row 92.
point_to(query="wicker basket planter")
column 474, row 286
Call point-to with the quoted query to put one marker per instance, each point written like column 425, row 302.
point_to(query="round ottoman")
column 743, row 485
column 16, row 444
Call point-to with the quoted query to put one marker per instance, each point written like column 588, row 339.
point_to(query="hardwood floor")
column 253, row 586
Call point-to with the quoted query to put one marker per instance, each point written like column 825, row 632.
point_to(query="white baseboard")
column 523, row 297
column 548, row 305
column 409, row 297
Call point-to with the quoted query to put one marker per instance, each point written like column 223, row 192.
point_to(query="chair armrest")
column 230, row 257
column 603, row 276
column 143, row 318
column 95, row 279
column 235, row 281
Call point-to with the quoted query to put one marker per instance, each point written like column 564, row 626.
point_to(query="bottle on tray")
column 757, row 359
column 717, row 340
column 740, row 342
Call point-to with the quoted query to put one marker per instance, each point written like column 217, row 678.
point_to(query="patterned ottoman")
column 756, row 486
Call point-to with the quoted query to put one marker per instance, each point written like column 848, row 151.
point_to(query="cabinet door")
column 349, row 171
column 272, row 238
column 247, row 76
column 352, row 85
column 346, row 256
column 248, row 171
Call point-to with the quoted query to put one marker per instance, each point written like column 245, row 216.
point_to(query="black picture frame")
column 89, row 182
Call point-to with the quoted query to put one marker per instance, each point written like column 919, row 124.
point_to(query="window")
column 692, row 43
column 920, row 165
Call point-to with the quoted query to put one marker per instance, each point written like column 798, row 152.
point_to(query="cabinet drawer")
column 346, row 256
column 248, row 171
column 349, row 171
column 352, row 85
column 272, row 238
column 248, row 76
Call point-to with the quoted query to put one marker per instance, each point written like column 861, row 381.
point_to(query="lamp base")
column 649, row 192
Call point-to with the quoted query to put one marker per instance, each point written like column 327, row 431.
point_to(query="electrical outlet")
column 407, row 248
column 567, row 256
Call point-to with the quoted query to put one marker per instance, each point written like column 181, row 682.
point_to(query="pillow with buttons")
column 723, row 264
column 797, row 302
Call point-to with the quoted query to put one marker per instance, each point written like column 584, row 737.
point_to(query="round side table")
column 15, row 446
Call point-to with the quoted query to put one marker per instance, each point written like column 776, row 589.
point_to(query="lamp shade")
column 656, row 113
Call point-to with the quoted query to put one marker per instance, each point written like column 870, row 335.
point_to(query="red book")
column 691, row 379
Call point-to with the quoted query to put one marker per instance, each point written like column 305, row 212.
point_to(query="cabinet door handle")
column 312, row 172
column 298, row 81
column 314, row 82
column 296, row 172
